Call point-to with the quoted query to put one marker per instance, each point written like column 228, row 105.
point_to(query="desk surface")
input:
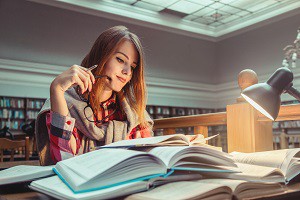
column 22, row 191
column 5, row 165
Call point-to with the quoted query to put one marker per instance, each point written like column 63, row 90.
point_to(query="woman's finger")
column 90, row 76
column 85, row 78
column 78, row 81
column 89, row 71
column 85, row 75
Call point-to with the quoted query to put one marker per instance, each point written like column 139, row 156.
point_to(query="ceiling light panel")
column 190, row 17
column 227, row 1
column 205, row 21
column 126, row 1
column 230, row 18
column 244, row 4
column 217, row 15
column 163, row 3
column 202, row 2
column 185, row 7
column 230, row 9
column 148, row 6
column 216, row 5
column 203, row 11
column 220, row 14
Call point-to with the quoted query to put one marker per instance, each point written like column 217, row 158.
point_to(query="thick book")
column 105, row 168
column 211, row 189
column 273, row 166
column 24, row 173
column 165, row 140
column 55, row 187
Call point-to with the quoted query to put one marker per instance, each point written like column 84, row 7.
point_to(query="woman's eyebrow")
column 126, row 56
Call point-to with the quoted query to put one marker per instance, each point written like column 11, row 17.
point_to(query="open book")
column 23, row 173
column 273, row 166
column 105, row 168
column 165, row 140
column 210, row 189
column 53, row 186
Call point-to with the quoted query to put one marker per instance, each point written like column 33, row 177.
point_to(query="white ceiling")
column 207, row 19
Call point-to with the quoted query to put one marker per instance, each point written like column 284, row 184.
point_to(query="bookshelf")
column 15, row 111
column 292, row 126
column 158, row 112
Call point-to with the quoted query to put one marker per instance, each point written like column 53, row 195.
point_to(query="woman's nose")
column 126, row 70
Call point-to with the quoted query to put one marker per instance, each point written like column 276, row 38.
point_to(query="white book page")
column 23, row 173
column 243, row 189
column 166, row 153
column 170, row 155
column 233, row 184
column 277, row 159
column 185, row 190
column 257, row 170
column 54, row 187
column 255, row 173
column 96, row 162
column 150, row 141
column 294, row 169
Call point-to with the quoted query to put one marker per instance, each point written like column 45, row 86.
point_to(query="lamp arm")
column 294, row 92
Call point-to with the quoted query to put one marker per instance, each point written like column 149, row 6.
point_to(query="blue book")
column 55, row 187
column 105, row 168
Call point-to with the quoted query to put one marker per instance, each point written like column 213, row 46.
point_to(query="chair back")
column 14, row 145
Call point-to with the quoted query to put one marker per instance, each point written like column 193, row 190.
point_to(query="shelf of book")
column 290, row 126
column 158, row 112
column 15, row 111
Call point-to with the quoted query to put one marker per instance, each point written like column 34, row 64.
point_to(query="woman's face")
column 121, row 65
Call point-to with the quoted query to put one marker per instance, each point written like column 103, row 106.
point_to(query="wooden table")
column 5, row 165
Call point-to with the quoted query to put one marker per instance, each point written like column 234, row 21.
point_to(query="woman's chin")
column 117, row 89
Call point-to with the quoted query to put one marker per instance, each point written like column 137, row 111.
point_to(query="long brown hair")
column 103, row 48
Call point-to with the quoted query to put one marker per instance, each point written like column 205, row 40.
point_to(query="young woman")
column 101, row 101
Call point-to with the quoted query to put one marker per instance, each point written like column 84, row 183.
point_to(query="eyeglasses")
column 88, row 110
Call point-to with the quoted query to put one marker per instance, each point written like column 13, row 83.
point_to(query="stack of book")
column 161, row 167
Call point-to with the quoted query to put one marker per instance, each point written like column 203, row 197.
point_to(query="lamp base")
column 244, row 132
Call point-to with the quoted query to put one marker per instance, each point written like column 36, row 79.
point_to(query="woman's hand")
column 75, row 75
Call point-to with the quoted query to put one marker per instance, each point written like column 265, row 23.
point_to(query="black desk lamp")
column 265, row 97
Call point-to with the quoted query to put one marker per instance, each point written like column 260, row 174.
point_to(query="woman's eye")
column 120, row 60
column 132, row 68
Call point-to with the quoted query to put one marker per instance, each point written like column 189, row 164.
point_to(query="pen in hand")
column 100, row 76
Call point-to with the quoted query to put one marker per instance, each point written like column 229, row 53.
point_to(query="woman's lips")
column 123, row 80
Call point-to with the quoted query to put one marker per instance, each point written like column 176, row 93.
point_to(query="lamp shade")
column 265, row 97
